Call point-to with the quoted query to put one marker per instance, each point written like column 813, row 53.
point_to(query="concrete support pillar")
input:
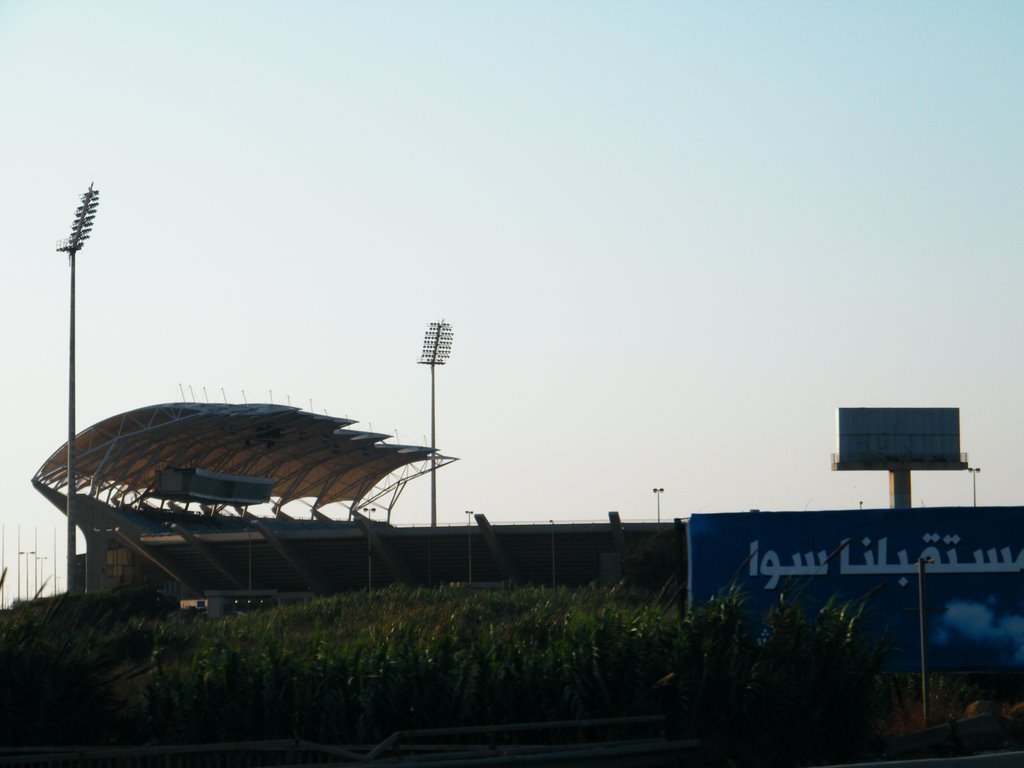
column 309, row 575
column 96, row 544
column 899, row 489
column 500, row 556
column 618, row 535
column 384, row 551
column 237, row 578
column 149, row 553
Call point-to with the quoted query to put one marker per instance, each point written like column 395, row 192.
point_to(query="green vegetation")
column 61, row 660
column 111, row 668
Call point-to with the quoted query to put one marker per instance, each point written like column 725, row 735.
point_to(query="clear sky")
column 672, row 238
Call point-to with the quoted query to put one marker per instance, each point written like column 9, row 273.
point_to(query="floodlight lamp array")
column 437, row 344
column 81, row 227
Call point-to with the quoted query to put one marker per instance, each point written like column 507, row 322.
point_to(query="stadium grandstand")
column 273, row 502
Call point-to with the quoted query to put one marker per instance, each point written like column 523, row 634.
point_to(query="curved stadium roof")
column 309, row 456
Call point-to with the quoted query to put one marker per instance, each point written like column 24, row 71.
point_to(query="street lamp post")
column 437, row 347
column 28, row 582
column 974, row 482
column 80, row 230
column 469, row 540
column 657, row 493
column 921, row 608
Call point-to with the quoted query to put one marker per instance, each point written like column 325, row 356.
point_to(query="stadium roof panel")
column 309, row 456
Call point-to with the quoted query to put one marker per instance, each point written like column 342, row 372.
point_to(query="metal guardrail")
column 465, row 747
column 523, row 523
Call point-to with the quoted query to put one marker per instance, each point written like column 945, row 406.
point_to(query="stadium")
column 247, row 503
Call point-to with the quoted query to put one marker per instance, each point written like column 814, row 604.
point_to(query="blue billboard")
column 974, row 574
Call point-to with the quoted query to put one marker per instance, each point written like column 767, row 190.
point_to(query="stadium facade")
column 206, row 499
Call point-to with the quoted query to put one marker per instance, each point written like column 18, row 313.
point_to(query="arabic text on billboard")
column 975, row 600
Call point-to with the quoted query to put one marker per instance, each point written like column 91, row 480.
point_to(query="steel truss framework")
column 314, row 459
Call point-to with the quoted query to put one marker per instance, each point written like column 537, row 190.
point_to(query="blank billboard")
column 898, row 435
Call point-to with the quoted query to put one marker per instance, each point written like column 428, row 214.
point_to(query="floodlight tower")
column 80, row 229
column 437, row 346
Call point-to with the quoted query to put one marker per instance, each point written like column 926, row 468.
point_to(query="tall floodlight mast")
column 437, row 346
column 80, row 229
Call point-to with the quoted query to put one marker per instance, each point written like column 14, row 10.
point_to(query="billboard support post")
column 898, row 440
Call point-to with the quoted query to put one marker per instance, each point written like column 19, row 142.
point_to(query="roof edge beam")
column 52, row 495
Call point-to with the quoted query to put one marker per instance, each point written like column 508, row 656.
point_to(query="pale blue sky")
column 672, row 237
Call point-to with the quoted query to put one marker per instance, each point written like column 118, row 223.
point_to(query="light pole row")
column 36, row 577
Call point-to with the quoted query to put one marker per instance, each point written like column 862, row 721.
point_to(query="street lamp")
column 437, row 346
column 28, row 583
column 974, row 482
column 81, row 227
column 469, row 539
column 657, row 492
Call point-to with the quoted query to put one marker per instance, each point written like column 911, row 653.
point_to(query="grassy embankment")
column 111, row 668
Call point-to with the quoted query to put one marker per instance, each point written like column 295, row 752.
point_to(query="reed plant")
column 771, row 690
column 789, row 689
column 60, row 662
